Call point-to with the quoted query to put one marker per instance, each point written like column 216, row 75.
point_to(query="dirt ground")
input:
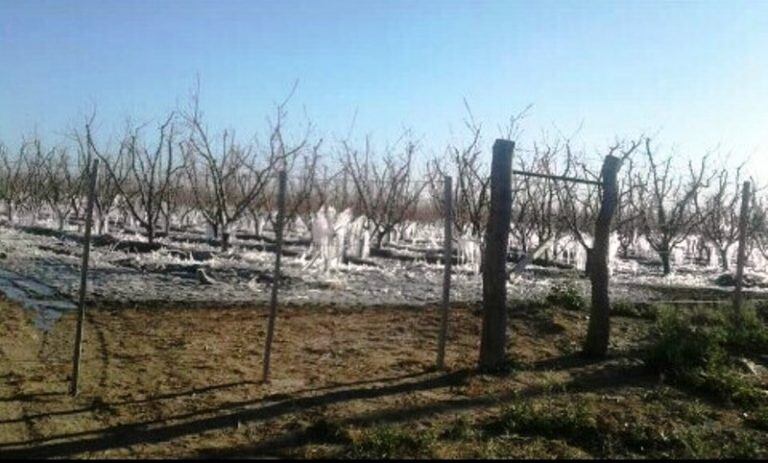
column 187, row 383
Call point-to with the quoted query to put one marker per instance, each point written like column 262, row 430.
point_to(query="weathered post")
column 276, row 274
column 494, row 331
column 83, row 279
column 447, row 263
column 598, row 332
column 742, row 251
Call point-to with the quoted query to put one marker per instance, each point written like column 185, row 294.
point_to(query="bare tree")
column 32, row 199
column 108, row 188
column 62, row 185
column 15, row 178
column 385, row 187
column 151, row 171
column 299, row 159
column 545, row 203
column 522, row 226
column 667, row 202
column 471, row 187
column 719, row 214
column 229, row 180
column 627, row 217
column 579, row 205
column 301, row 165
column 224, row 181
column 177, row 199
column 464, row 161
column 759, row 224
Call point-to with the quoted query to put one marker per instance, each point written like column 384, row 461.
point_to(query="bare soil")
column 180, row 382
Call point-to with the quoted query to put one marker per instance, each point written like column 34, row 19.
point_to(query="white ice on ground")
column 242, row 272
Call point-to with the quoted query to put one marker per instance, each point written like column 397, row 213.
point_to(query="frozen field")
column 41, row 268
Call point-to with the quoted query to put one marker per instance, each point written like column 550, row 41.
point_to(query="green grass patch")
column 388, row 441
column 582, row 424
column 758, row 419
column 694, row 348
column 626, row 308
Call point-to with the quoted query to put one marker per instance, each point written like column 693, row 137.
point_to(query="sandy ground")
column 187, row 382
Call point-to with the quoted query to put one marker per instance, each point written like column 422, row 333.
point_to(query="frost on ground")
column 170, row 275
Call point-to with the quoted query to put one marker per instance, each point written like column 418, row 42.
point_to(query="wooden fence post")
column 447, row 263
column 276, row 273
column 742, row 251
column 494, row 331
column 598, row 332
column 83, row 279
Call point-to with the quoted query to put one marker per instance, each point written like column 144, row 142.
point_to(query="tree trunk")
column 379, row 240
column 741, row 256
column 665, row 265
column 588, row 261
column 599, row 329
column 723, row 259
column 224, row 241
column 494, row 330
column 624, row 250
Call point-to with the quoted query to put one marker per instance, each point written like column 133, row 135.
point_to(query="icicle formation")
column 469, row 249
column 359, row 237
column 329, row 230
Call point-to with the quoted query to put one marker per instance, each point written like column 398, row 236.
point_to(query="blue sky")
column 693, row 72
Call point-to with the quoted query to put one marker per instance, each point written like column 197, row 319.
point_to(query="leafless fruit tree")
column 151, row 170
column 386, row 186
column 465, row 163
column 719, row 213
column 759, row 224
column 225, row 177
column 579, row 203
column 15, row 178
column 667, row 203
column 62, row 182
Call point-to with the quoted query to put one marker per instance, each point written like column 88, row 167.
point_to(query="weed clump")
column 634, row 310
column 695, row 349
column 392, row 442
column 567, row 296
column 548, row 420
column 759, row 419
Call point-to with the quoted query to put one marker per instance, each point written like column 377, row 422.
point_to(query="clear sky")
column 696, row 73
